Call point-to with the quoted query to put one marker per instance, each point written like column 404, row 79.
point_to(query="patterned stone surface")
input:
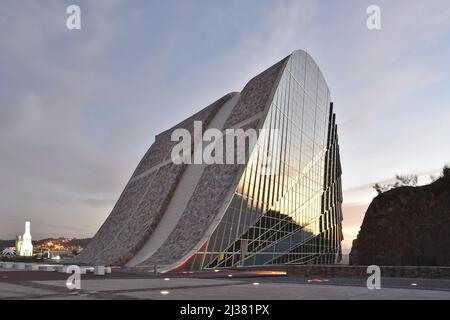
column 145, row 218
column 255, row 94
column 144, row 200
column 204, row 204
column 160, row 150
column 121, row 212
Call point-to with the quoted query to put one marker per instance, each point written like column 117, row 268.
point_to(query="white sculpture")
column 26, row 247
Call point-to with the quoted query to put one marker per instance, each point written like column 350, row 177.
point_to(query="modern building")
column 208, row 216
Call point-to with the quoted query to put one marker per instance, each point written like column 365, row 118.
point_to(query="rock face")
column 407, row 226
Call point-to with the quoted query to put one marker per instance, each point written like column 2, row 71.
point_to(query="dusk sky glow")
column 78, row 109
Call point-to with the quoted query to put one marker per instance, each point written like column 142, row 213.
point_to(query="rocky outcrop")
column 217, row 179
column 407, row 226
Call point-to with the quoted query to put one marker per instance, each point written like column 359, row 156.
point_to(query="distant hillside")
column 7, row 243
column 407, row 226
column 75, row 242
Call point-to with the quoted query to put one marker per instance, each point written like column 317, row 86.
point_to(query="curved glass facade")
column 293, row 213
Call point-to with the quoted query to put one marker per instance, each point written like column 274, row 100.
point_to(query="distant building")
column 24, row 246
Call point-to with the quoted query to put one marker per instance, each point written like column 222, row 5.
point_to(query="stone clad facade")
column 142, row 203
column 192, row 217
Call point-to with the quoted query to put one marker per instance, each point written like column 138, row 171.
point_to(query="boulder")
column 407, row 226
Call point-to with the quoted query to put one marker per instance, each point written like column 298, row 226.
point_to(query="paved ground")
column 120, row 285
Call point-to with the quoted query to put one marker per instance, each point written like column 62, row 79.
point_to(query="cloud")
column 52, row 76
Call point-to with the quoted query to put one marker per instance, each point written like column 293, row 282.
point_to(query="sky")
column 79, row 108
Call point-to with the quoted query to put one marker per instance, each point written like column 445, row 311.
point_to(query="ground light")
column 164, row 292
column 166, row 279
column 318, row 280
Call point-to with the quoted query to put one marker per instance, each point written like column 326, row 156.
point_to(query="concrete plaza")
column 222, row 285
